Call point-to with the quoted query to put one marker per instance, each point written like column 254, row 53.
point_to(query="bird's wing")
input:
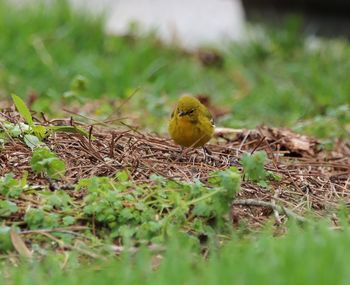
column 209, row 116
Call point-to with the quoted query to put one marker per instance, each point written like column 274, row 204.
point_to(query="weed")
column 43, row 160
column 11, row 187
column 253, row 165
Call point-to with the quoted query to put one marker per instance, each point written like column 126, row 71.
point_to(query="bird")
column 191, row 124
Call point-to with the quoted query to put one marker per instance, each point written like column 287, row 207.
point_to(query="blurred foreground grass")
column 313, row 255
column 278, row 78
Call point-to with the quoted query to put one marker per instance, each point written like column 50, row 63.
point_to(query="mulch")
column 314, row 180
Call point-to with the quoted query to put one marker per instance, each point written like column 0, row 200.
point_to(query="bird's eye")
column 191, row 111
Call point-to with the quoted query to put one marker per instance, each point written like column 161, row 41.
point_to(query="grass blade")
column 22, row 109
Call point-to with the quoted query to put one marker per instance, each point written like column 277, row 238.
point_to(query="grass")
column 303, row 256
column 280, row 78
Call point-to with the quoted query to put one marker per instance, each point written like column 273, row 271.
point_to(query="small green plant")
column 58, row 199
column 31, row 133
column 11, row 187
column 14, row 130
column 228, row 181
column 45, row 161
column 152, row 211
column 23, row 131
column 121, row 208
column 333, row 124
column 253, row 165
column 125, row 212
column 38, row 218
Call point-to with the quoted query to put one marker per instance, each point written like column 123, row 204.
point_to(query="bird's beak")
column 182, row 113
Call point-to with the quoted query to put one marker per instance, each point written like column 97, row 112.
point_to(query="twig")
column 279, row 209
column 154, row 248
column 242, row 143
column 55, row 230
column 259, row 144
column 273, row 202
column 62, row 244
column 97, row 122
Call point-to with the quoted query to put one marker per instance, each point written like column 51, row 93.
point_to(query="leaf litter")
column 310, row 178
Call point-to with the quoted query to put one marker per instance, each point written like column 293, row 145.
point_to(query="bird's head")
column 187, row 108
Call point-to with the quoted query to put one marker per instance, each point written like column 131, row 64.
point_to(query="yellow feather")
column 190, row 124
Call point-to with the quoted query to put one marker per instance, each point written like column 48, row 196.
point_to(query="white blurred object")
column 189, row 23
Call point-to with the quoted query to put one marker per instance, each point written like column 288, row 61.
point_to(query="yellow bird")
column 191, row 124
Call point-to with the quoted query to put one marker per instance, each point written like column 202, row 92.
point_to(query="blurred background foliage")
column 278, row 77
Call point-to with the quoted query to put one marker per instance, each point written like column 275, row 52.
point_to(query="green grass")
column 303, row 256
column 279, row 78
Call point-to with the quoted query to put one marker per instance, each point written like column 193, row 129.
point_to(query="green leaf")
column 228, row 183
column 10, row 187
column 122, row 176
column 262, row 183
column 51, row 221
column 69, row 129
column 58, row 199
column 228, row 179
column 7, row 208
column 125, row 215
column 16, row 129
column 34, row 218
column 22, row 109
column 68, row 220
column 253, row 165
column 56, row 168
column 43, row 160
column 202, row 209
column 274, row 176
column 23, row 181
column 31, row 141
column 126, row 231
column 5, row 239
column 40, row 131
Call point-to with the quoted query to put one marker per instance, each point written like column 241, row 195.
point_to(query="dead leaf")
column 156, row 261
column 19, row 244
column 294, row 143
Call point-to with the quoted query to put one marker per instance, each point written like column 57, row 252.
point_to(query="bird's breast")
column 188, row 133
